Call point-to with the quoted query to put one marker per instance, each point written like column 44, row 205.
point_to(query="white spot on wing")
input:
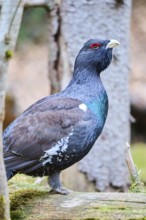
column 83, row 107
column 60, row 146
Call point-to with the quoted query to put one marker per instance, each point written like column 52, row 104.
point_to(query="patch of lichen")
column 19, row 199
column 2, row 209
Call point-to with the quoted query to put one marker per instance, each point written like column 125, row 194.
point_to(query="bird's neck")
column 86, row 85
column 88, row 88
column 85, row 73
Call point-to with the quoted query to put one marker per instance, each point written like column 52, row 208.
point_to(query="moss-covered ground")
column 2, row 207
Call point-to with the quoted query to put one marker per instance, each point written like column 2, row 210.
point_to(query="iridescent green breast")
column 99, row 107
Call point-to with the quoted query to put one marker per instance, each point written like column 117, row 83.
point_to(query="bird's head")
column 96, row 54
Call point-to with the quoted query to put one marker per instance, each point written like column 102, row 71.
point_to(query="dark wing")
column 39, row 128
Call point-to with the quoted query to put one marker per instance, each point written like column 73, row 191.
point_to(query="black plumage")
column 59, row 130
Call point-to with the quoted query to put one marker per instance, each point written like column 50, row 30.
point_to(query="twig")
column 7, row 37
column 137, row 185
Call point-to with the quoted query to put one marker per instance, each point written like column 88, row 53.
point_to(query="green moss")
column 144, row 218
column 137, row 187
column 8, row 54
column 21, row 181
column 20, row 198
column 17, row 215
column 111, row 208
column 91, row 219
column 2, row 210
column 22, row 190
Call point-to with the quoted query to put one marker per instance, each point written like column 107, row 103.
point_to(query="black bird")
column 59, row 130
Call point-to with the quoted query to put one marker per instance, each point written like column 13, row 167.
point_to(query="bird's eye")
column 94, row 46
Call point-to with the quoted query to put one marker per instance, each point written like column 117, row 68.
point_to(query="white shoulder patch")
column 83, row 107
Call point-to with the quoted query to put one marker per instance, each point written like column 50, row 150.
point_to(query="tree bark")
column 77, row 22
column 11, row 14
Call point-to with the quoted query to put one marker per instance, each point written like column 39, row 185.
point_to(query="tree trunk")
column 11, row 14
column 78, row 21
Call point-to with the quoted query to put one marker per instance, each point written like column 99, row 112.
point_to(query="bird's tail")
column 14, row 164
column 10, row 174
column 9, row 159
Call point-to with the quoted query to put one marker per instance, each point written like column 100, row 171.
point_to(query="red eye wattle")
column 94, row 45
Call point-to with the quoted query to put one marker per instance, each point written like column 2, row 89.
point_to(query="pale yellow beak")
column 113, row 43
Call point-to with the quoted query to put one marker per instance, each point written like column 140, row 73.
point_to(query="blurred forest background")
column 28, row 73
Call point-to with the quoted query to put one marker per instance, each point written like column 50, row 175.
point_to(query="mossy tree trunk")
column 10, row 21
column 11, row 14
column 93, row 206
